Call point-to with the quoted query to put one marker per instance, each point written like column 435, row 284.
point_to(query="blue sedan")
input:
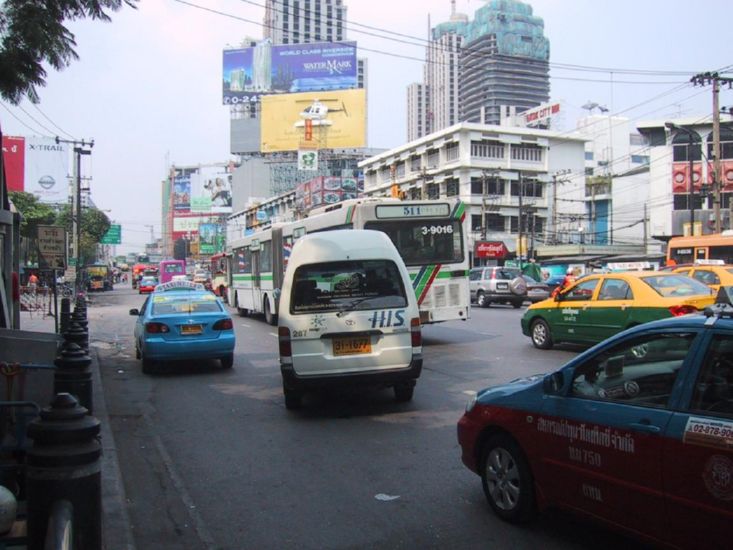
column 182, row 320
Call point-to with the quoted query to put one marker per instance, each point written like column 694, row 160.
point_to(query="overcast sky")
column 147, row 86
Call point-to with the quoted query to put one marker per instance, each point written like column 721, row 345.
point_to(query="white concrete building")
column 486, row 166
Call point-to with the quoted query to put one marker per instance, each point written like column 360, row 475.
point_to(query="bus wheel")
column 270, row 317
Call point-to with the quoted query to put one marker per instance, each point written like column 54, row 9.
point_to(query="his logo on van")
column 317, row 322
column 388, row 318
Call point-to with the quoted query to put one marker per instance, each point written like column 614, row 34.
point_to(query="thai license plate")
column 191, row 329
column 352, row 345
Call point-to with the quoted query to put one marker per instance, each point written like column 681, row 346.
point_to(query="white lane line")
column 469, row 392
column 246, row 325
column 273, row 334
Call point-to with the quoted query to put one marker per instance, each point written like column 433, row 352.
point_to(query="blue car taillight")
column 156, row 328
column 223, row 324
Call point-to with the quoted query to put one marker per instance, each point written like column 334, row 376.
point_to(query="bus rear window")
column 353, row 285
column 427, row 241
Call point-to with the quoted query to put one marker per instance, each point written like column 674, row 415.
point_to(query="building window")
column 433, row 158
column 640, row 159
column 433, row 190
column 495, row 222
column 451, row 152
column 487, row 149
column 589, row 171
column 495, row 186
column 400, row 170
column 451, row 188
column 530, row 153
column 530, row 188
column 475, row 222
column 477, row 186
column 589, row 155
column 415, row 161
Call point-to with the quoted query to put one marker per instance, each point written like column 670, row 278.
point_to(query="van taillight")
column 676, row 311
column 156, row 328
column 283, row 336
column 223, row 324
column 416, row 332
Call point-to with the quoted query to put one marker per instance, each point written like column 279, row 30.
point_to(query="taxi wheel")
column 482, row 301
column 138, row 355
column 404, row 392
column 507, row 480
column 227, row 361
column 541, row 336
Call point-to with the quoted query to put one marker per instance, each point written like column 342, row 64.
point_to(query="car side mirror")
column 134, row 311
column 552, row 384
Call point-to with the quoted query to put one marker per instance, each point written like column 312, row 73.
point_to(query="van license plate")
column 352, row 346
column 191, row 329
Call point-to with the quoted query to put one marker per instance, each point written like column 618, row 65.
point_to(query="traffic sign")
column 113, row 235
column 51, row 247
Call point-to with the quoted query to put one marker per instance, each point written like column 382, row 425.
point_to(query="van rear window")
column 353, row 285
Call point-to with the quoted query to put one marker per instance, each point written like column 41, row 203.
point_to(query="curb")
column 116, row 527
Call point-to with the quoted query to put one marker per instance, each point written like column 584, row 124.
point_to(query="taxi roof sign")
column 179, row 284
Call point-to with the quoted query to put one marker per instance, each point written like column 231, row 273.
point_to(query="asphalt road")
column 211, row 459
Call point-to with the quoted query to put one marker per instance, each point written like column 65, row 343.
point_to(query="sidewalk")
column 116, row 528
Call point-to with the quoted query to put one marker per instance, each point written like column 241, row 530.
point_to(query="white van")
column 348, row 315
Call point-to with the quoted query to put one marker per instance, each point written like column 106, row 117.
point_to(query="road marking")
column 274, row 334
column 469, row 392
column 246, row 325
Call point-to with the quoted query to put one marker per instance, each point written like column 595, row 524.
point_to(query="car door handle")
column 645, row 427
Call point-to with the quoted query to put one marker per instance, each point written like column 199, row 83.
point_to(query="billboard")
column 211, row 190
column 47, row 169
column 209, row 238
column 324, row 120
column 250, row 73
column 14, row 162
column 182, row 192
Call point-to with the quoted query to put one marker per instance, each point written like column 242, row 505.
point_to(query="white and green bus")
column 430, row 236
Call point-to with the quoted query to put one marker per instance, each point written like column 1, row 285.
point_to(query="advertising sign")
column 182, row 193
column 208, row 238
column 14, row 161
column 47, row 169
column 113, row 235
column 51, row 247
column 337, row 119
column 211, row 190
column 250, row 73
column 490, row 249
column 541, row 114
column 307, row 159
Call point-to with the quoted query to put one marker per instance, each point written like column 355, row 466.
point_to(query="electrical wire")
column 35, row 131
column 67, row 134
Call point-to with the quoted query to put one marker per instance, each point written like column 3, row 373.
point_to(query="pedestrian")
column 532, row 269
column 33, row 282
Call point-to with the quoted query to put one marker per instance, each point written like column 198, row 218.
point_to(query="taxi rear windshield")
column 676, row 285
column 171, row 304
column 347, row 285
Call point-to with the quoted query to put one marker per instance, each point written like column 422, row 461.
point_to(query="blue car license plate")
column 191, row 329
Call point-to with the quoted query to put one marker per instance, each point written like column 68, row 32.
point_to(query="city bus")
column 429, row 235
column 699, row 248
column 219, row 268
column 170, row 269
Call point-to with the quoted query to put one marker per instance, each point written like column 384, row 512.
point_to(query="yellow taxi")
column 598, row 306
column 713, row 275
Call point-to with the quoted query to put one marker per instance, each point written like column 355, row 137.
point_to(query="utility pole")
column 79, row 150
column 555, row 180
column 521, row 213
column 703, row 79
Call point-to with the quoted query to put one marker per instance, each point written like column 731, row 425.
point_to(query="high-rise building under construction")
column 475, row 69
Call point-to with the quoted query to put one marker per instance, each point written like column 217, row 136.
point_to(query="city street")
column 211, row 458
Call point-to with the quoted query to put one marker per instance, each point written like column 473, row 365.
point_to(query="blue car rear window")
column 170, row 304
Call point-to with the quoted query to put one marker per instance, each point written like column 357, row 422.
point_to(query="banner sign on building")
column 208, row 238
column 540, row 115
column 182, row 193
column 490, row 249
column 211, row 190
column 14, row 161
column 250, row 73
column 47, row 169
column 308, row 159
column 337, row 120
column 51, row 247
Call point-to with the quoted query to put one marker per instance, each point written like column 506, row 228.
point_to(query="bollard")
column 72, row 374
column 64, row 464
column 75, row 333
column 65, row 316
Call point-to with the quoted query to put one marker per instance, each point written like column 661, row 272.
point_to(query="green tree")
column 32, row 33
column 94, row 224
column 34, row 213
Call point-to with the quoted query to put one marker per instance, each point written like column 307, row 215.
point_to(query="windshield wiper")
column 352, row 305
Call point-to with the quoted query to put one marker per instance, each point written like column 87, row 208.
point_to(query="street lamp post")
column 689, row 133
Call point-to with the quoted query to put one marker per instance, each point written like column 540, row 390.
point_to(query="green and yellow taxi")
column 714, row 276
column 598, row 306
